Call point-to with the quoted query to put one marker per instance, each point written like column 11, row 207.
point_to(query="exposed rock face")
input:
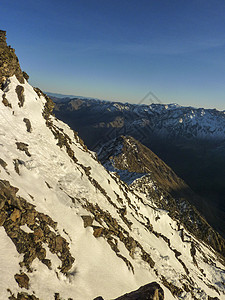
column 23, row 296
column 9, row 64
column 19, row 91
column 28, row 124
column 22, row 280
column 15, row 212
column 23, row 147
column 151, row 291
column 5, row 101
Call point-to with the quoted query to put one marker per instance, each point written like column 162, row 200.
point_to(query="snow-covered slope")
column 145, row 172
column 190, row 140
column 126, row 241
column 72, row 230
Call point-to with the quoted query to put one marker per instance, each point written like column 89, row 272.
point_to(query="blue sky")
column 121, row 50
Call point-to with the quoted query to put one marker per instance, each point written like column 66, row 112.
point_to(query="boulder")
column 22, row 280
column 88, row 220
column 151, row 291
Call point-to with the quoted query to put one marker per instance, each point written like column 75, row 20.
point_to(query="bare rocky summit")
column 9, row 63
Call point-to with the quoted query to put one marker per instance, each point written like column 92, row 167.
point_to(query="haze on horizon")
column 121, row 50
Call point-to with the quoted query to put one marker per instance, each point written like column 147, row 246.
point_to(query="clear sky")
column 122, row 49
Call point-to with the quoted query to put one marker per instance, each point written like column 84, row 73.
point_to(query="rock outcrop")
column 16, row 212
column 9, row 63
column 151, row 291
column 130, row 158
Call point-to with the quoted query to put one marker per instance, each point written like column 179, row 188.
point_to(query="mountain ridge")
column 71, row 229
column 183, row 137
column 160, row 183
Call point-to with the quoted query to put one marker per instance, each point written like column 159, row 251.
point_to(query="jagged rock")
column 9, row 64
column 59, row 242
column 25, row 76
column 57, row 296
column 41, row 253
column 23, row 296
column 28, row 124
column 47, row 262
column 38, row 235
column 15, row 212
column 22, row 280
column 176, row 291
column 97, row 231
column 151, row 291
column 8, row 193
column 15, row 215
column 30, row 217
column 3, row 163
column 3, row 217
column 88, row 220
column 16, row 166
column 5, row 101
column 23, row 147
column 20, row 91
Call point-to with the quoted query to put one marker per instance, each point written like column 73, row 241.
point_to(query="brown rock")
column 97, row 231
column 59, row 241
column 30, row 218
column 22, row 280
column 5, row 101
column 9, row 64
column 41, row 253
column 25, row 296
column 20, row 95
column 3, row 163
column 151, row 291
column 88, row 220
column 23, row 147
column 15, row 215
column 3, row 216
column 25, row 76
column 38, row 235
column 47, row 262
column 28, row 124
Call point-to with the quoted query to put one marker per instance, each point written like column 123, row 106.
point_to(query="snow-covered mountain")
column 168, row 121
column 70, row 229
column 190, row 140
column 145, row 172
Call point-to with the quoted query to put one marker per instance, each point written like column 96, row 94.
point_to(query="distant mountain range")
column 190, row 140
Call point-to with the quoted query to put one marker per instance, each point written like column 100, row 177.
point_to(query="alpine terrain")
column 190, row 140
column 72, row 229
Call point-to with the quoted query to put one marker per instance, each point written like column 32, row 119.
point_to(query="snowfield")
column 66, row 189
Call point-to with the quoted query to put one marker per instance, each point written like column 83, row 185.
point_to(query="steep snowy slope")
column 190, row 140
column 144, row 171
column 71, row 229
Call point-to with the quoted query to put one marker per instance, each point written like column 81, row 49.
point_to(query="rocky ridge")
column 9, row 64
column 145, row 172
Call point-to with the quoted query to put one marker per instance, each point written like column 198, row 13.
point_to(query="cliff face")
column 9, row 63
